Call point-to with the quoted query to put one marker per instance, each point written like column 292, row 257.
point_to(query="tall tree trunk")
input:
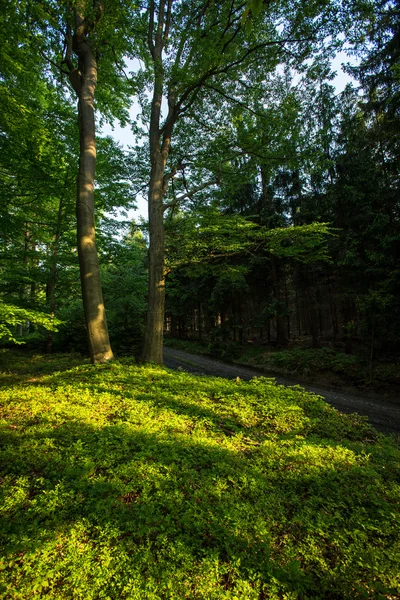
column 84, row 80
column 92, row 295
column 160, row 143
column 152, row 351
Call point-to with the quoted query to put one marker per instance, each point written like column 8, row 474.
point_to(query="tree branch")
column 49, row 60
column 167, row 22
column 151, row 29
column 231, row 99
column 190, row 193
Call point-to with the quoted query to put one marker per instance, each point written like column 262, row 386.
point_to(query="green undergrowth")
column 311, row 362
column 187, row 345
column 135, row 482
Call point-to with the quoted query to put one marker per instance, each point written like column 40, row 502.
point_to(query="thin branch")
column 215, row 71
column 151, row 29
column 167, row 178
column 59, row 67
column 68, row 49
column 167, row 22
column 231, row 99
column 190, row 193
column 160, row 27
column 120, row 67
column 250, row 51
column 231, row 38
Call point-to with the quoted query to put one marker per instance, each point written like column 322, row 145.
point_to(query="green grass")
column 123, row 481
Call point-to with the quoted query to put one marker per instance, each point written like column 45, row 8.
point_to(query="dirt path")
column 382, row 413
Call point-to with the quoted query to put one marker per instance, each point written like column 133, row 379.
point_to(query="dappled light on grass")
column 122, row 481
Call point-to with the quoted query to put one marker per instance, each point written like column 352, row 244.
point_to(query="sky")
column 125, row 137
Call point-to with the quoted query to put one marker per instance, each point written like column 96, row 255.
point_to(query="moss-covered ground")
column 134, row 482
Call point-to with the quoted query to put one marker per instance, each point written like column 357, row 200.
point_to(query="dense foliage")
column 279, row 193
column 136, row 482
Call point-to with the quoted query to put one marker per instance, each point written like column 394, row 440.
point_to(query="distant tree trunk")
column 23, row 289
column 288, row 315
column 281, row 339
column 51, row 290
column 174, row 326
column 34, row 263
column 312, row 313
column 318, row 301
column 333, row 309
column 298, row 322
column 314, row 321
column 240, row 323
column 84, row 80
column 199, row 321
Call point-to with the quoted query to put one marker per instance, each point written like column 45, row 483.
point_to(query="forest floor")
column 137, row 482
column 382, row 412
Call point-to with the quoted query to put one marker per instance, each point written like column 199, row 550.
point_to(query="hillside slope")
column 125, row 481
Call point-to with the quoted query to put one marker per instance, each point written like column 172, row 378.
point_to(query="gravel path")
column 384, row 414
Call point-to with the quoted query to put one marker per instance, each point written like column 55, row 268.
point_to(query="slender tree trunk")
column 199, row 321
column 314, row 318
column 23, row 287
column 53, row 276
column 319, row 304
column 281, row 339
column 159, row 151
column 84, row 81
column 174, row 326
column 288, row 315
column 332, row 307
column 298, row 322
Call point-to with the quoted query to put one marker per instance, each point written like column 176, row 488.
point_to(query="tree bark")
column 152, row 351
column 159, row 151
column 84, row 80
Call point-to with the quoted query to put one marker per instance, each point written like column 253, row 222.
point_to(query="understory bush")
column 317, row 359
column 224, row 350
column 135, row 482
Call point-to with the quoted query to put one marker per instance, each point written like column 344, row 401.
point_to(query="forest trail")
column 382, row 413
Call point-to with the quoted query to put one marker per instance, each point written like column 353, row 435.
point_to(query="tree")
column 200, row 51
column 39, row 152
column 82, row 29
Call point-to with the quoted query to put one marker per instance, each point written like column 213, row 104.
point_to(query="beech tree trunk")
column 84, row 80
column 160, row 142
column 153, row 343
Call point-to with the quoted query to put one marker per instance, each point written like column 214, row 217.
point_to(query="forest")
column 272, row 239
